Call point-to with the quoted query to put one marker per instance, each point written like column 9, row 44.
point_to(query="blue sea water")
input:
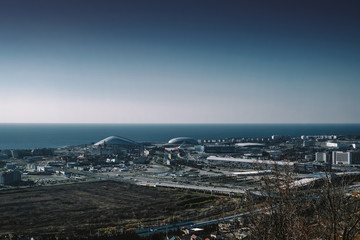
column 29, row 136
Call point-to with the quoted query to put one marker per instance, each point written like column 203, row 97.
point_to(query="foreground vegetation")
column 325, row 210
column 83, row 209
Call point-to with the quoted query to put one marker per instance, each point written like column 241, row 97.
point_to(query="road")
column 201, row 188
column 172, row 227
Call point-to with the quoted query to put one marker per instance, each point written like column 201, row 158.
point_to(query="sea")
column 31, row 136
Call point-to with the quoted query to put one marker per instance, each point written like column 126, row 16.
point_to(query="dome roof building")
column 115, row 140
column 183, row 140
column 119, row 145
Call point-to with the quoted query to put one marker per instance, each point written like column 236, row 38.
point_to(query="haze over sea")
column 29, row 136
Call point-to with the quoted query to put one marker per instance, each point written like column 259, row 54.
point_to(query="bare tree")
column 282, row 210
column 338, row 211
column 287, row 211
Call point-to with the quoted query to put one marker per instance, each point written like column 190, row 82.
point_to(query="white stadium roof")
column 116, row 140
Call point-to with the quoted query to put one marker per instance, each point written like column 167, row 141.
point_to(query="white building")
column 323, row 157
column 337, row 145
column 44, row 169
column 349, row 157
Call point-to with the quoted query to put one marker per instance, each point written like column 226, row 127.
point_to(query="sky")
column 188, row 61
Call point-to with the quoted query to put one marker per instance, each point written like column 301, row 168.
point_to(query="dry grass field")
column 83, row 208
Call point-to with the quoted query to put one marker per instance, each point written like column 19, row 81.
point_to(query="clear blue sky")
column 84, row 61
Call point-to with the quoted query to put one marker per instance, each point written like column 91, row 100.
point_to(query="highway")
column 143, row 181
column 201, row 188
column 171, row 227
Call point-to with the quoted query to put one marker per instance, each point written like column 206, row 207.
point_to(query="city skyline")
column 179, row 62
